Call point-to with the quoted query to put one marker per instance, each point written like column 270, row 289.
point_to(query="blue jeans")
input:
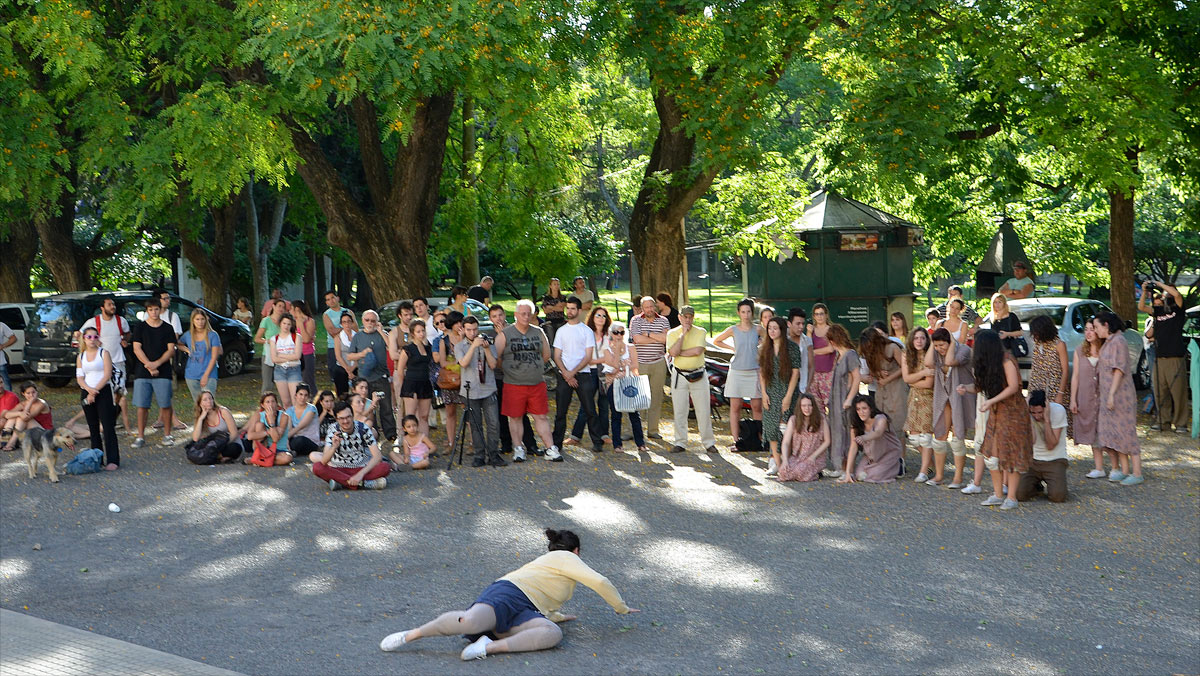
column 635, row 421
column 4, row 376
column 601, row 412
column 587, row 404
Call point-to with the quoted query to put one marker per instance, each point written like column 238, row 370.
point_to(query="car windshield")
column 1026, row 313
column 61, row 314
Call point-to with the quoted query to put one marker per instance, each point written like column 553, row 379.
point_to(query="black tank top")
column 417, row 369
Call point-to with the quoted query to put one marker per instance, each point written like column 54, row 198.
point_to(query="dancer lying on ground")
column 517, row 613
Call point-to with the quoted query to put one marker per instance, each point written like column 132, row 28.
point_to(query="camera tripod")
column 461, row 437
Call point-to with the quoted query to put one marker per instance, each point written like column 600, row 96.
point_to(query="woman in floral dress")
column 805, row 442
column 1117, row 428
column 919, row 425
column 1049, row 371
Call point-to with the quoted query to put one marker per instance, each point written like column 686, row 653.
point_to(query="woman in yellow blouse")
column 519, row 612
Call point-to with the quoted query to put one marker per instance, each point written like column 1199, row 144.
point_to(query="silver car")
column 1069, row 315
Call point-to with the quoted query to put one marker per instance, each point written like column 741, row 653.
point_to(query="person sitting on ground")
column 212, row 418
column 351, row 457
column 879, row 444
column 325, row 403
column 9, row 401
column 415, row 446
column 518, row 612
column 358, row 404
column 304, row 438
column 805, row 442
column 270, row 427
column 1049, row 464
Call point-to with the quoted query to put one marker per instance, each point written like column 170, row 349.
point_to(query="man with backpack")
column 114, row 337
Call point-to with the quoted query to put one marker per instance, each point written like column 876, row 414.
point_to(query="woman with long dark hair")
column 1117, row 428
column 880, row 446
column 953, row 409
column 306, row 327
column 779, row 362
column 898, row 327
column 805, row 442
column 519, row 612
column 1049, row 371
column 883, row 358
column 843, row 386
column 1007, row 446
column 919, row 424
column 1085, row 397
column 598, row 321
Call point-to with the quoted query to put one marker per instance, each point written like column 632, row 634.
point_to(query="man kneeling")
column 1049, row 465
column 351, row 457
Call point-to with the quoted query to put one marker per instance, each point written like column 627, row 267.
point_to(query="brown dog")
column 35, row 441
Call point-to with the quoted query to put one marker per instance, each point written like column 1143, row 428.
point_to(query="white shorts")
column 743, row 384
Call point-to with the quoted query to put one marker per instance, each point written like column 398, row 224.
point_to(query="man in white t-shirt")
column 1049, row 466
column 7, row 339
column 574, row 345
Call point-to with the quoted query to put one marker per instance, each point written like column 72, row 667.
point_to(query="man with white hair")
column 369, row 349
column 524, row 351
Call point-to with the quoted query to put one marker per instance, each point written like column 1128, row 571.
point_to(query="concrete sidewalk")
column 33, row 647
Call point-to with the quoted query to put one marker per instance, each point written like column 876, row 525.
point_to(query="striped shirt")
column 649, row 353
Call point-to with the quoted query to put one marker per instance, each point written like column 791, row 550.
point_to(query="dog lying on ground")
column 35, row 441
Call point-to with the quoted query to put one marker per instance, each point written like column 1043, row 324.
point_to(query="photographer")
column 351, row 457
column 1170, row 380
column 477, row 357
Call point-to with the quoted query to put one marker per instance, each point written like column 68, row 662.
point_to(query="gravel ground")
column 265, row 571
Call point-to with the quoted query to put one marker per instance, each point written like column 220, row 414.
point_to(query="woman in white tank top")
column 93, row 371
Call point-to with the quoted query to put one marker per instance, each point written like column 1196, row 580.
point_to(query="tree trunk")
column 386, row 236
column 1120, row 252
column 69, row 264
column 260, row 249
column 212, row 267
column 468, row 262
column 19, row 244
column 323, row 284
column 310, row 282
column 364, row 299
column 656, row 223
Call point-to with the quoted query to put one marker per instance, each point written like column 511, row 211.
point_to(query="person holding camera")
column 685, row 345
column 351, row 456
column 1169, row 375
column 477, row 357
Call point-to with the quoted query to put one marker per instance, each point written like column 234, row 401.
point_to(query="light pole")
column 708, row 278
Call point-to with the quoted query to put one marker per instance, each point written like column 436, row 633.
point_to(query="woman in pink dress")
column 824, row 356
column 805, row 442
column 1085, row 397
column 880, row 446
column 1117, row 427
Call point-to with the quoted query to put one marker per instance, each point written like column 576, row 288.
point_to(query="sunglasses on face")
column 618, row 333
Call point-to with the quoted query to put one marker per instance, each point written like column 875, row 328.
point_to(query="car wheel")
column 1141, row 375
column 57, row 381
column 233, row 362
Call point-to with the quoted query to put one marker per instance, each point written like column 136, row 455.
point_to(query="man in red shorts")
column 524, row 351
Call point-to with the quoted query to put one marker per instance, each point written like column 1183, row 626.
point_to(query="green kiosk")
column 860, row 264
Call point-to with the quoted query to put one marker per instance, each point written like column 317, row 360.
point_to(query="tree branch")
column 366, row 121
column 323, row 181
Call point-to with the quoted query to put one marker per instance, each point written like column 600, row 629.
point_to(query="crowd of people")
column 823, row 403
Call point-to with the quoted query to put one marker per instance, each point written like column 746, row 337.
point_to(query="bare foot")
column 111, row 467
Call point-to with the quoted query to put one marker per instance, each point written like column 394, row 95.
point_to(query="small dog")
column 36, row 439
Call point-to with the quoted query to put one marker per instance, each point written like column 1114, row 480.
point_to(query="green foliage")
column 286, row 264
column 598, row 252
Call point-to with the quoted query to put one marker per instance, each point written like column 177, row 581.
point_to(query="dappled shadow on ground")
column 735, row 571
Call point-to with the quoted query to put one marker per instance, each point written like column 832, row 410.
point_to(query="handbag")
column 264, row 455
column 1017, row 346
column 631, row 393
column 207, row 450
column 449, row 378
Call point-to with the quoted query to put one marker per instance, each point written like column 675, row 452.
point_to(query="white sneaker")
column 833, row 473
column 972, row 489
column 393, row 642
column 1009, row 504
column 921, row 478
column 992, row 501
column 518, row 454
column 138, row 443
column 953, row 486
column 168, row 440
column 1096, row 474
column 376, row 484
column 335, row 486
column 772, row 470
column 478, row 649
column 552, row 455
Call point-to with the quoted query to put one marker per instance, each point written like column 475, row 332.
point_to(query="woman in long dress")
column 919, row 424
column 778, row 372
column 1008, row 442
column 883, row 358
column 805, row 442
column 1085, row 397
column 1049, row 371
column 825, row 355
column 1117, row 428
column 842, row 388
column 881, row 448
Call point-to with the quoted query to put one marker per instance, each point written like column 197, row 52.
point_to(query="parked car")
column 16, row 317
column 387, row 315
column 1069, row 315
column 52, row 345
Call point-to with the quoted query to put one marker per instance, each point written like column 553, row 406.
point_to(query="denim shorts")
column 143, row 387
column 288, row 374
column 512, row 607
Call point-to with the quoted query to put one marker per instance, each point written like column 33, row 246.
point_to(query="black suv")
column 51, row 347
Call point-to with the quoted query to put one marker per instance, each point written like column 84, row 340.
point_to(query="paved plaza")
column 265, row 571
